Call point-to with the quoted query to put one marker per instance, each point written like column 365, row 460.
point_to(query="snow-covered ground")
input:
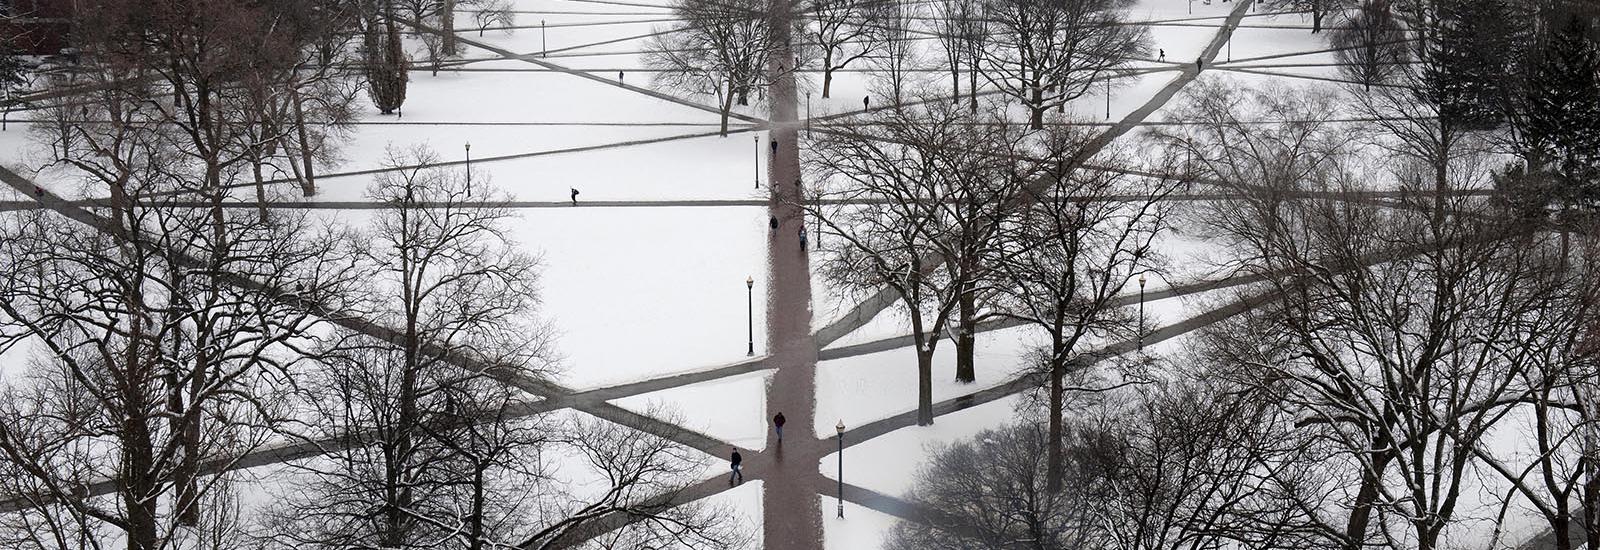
column 638, row 293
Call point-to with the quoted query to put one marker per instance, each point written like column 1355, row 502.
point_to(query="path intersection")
column 792, row 481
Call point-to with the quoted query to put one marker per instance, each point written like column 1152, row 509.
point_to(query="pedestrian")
column 864, row 101
column 1163, row 55
column 772, row 221
column 774, row 143
column 38, row 191
column 777, row 422
column 802, row 238
column 1199, row 64
column 574, row 196
column 737, row 471
column 619, row 76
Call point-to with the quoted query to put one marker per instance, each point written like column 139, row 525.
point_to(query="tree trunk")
column 138, row 453
column 924, row 386
column 966, row 329
column 261, row 188
column 447, row 27
column 1036, row 107
column 1053, row 474
column 475, row 523
column 1591, row 499
column 827, row 71
column 1356, row 528
column 955, row 84
column 727, row 107
column 972, row 88
column 1316, row 17
column 308, row 181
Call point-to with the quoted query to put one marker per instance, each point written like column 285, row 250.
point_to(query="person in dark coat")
column 774, row 146
column 1163, row 55
column 802, row 238
column 1199, row 64
column 777, row 422
column 737, row 470
column 574, row 196
column 772, row 221
column 864, row 101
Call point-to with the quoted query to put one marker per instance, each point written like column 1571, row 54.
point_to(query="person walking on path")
column 774, row 143
column 777, row 423
column 1163, row 56
column 737, row 471
column 574, row 196
column 1199, row 64
column 802, row 239
column 772, row 221
column 619, row 76
column 864, row 101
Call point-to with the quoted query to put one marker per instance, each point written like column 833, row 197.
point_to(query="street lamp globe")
column 1141, row 280
column 750, row 282
column 839, row 427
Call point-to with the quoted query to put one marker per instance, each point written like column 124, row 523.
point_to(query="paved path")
column 868, row 309
column 791, row 518
column 792, row 481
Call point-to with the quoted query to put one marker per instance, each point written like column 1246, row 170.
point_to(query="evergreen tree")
column 386, row 61
column 1561, row 130
column 1467, row 63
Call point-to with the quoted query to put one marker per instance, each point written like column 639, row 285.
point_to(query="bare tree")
column 895, row 52
column 1401, row 334
column 159, row 363
column 840, row 29
column 1319, row 9
column 445, row 277
column 489, row 13
column 1077, row 246
column 1178, row 464
column 990, row 493
column 718, row 49
column 918, row 189
column 1047, row 53
column 959, row 23
column 1372, row 44
column 645, row 476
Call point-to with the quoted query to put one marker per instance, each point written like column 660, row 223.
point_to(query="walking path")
column 868, row 309
column 792, row 482
column 791, row 517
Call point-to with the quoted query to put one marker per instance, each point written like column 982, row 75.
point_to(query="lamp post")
column 1108, row 97
column 544, row 43
column 1191, row 7
column 840, row 428
column 1141, row 311
column 469, row 167
column 750, row 312
column 758, row 160
column 808, row 114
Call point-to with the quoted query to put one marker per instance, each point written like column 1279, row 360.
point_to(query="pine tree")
column 1561, row 133
column 386, row 62
column 1468, row 62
